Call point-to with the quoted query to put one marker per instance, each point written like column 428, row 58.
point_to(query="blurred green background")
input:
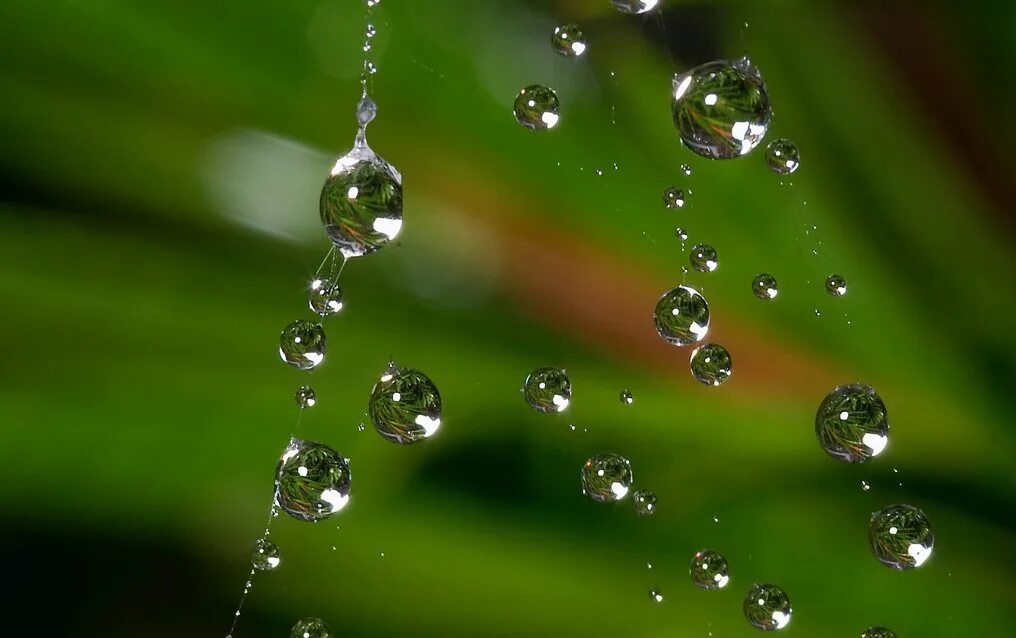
column 161, row 168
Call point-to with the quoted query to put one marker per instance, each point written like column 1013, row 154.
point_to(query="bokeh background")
column 160, row 171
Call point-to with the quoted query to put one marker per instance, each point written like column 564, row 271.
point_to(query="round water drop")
column 547, row 390
column 767, row 607
column 606, row 478
column 901, row 537
column 311, row 481
column 852, row 424
column 325, row 297
column 673, row 197
column 645, row 502
column 764, row 286
column 634, row 6
column 305, row 396
column 686, row 170
column 626, row 397
column 536, row 107
column 711, row 364
column 302, row 344
column 656, row 595
column 782, row 156
column 709, row 570
column 703, row 258
column 405, row 405
column 721, row 108
column 836, row 285
column 878, row 632
column 568, row 40
column 265, row 556
column 681, row 234
column 682, row 316
column 310, row 628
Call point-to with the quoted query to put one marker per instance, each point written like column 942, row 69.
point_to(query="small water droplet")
column 371, row 31
column 711, row 364
column 606, row 477
column 361, row 427
column 656, row 595
column 852, row 424
column 782, row 157
column 405, row 405
column 311, row 627
column 836, row 285
column 686, row 169
column 305, row 396
column 878, row 632
column 547, row 389
column 703, row 258
column 366, row 111
column 265, row 556
column 681, row 234
column 311, row 481
column 673, row 197
column 634, row 6
column 764, row 286
column 373, row 3
column 302, row 344
column 644, row 502
column 709, row 570
column 325, row 297
column 371, row 68
column 901, row 537
column 682, row 316
column 716, row 519
column 536, row 108
column 568, row 40
column 865, row 486
column 649, row 565
column 626, row 397
column 767, row 607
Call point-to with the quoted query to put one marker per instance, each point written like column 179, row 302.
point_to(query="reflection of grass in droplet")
column 894, row 530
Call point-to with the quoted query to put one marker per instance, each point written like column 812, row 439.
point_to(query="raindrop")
column 673, row 197
column 568, row 40
column 681, row 234
column 325, row 297
column 634, row 6
column 901, row 537
column 645, row 502
column 709, row 570
column 302, row 344
column 764, row 286
column 836, row 285
column 703, row 258
column 711, row 364
column 265, row 555
column 878, row 632
column 536, row 107
column 547, row 390
column 626, row 397
column 656, row 595
column 721, row 108
column 767, row 607
column 405, row 405
column 311, row 481
column 682, row 316
column 782, row 156
column 305, row 396
column 606, row 478
column 686, row 169
column 312, row 627
column 852, row 424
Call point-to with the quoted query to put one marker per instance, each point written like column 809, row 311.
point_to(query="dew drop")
column 703, row 258
column 673, row 197
column 547, row 390
column 656, row 595
column 302, row 344
column 767, row 607
column 265, row 556
column 536, row 108
column 311, row 481
column 686, row 169
column 626, row 397
column 681, row 234
column 311, row 627
column 634, row 6
column 682, row 316
column 878, row 632
column 568, row 40
column 721, row 109
column 405, row 405
column 644, row 502
column 305, row 396
column 764, row 286
column 836, row 285
column 606, row 478
column 325, row 297
column 711, row 364
column 901, row 537
column 852, row 424
column 782, row 157
column 709, row 570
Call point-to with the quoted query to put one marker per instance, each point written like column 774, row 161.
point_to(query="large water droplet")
column 711, row 364
column 311, row 627
column 767, row 607
column 302, row 344
column 782, row 156
column 901, row 537
column 606, row 477
column 311, row 481
column 852, row 423
column 568, row 40
column 709, row 570
column 325, row 297
column 836, row 285
column 673, row 197
column 644, row 502
column 265, row 556
column 764, row 286
column 634, row 6
column 721, row 109
column 536, row 107
column 703, row 258
column 878, row 632
column 547, row 389
column 682, row 316
column 405, row 405
column 305, row 396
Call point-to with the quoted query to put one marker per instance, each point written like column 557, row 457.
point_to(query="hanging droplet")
column 311, row 481
column 547, row 389
column 836, row 285
column 711, row 364
column 852, row 423
column 405, row 405
column 626, row 397
column 373, row 3
column 568, row 40
column 265, row 556
column 709, row 570
column 366, row 111
column 325, row 297
column 703, row 258
column 645, row 502
column 681, row 234
column 302, row 344
column 606, row 478
column 682, row 316
column 878, row 632
column 686, row 169
column 673, row 197
column 536, row 107
column 764, row 286
column 767, row 607
column 656, row 595
column 721, row 109
column 901, row 537
column 782, row 156
column 313, row 627
column 634, row 6
column 305, row 396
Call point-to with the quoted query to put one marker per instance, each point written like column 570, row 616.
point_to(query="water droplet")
column 265, row 555
column 312, row 627
column 782, row 156
column 361, row 427
column 656, row 595
column 878, row 632
column 302, row 344
column 366, row 111
column 703, row 258
column 682, row 316
column 645, row 502
column 536, row 107
column 767, row 607
column 311, row 481
column 371, row 68
column 547, row 389
column 371, row 31
column 681, row 234
column 709, row 570
column 901, row 537
column 325, row 297
column 626, row 397
column 764, row 286
column 673, row 197
column 836, row 285
column 568, row 40
column 711, row 364
column 865, row 486
column 649, row 565
column 305, row 396
column 405, row 405
column 852, row 424
column 686, row 170
column 373, row 3
column 606, row 478
column 634, row 6
column 721, row 108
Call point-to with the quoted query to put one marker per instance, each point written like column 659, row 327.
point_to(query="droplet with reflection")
column 682, row 316
column 405, row 405
column 547, row 390
column 536, row 108
column 836, row 285
column 626, row 397
column 901, row 537
column 878, row 632
column 310, row 627
column 852, row 423
column 711, row 364
column 265, row 556
column 782, row 157
column 606, row 477
column 764, row 286
column 656, row 595
column 305, row 396
column 568, row 40
column 673, row 197
column 325, row 297
column 703, row 258
column 767, row 607
column 311, row 481
column 634, row 6
column 644, row 502
column 302, row 344
column 709, row 570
